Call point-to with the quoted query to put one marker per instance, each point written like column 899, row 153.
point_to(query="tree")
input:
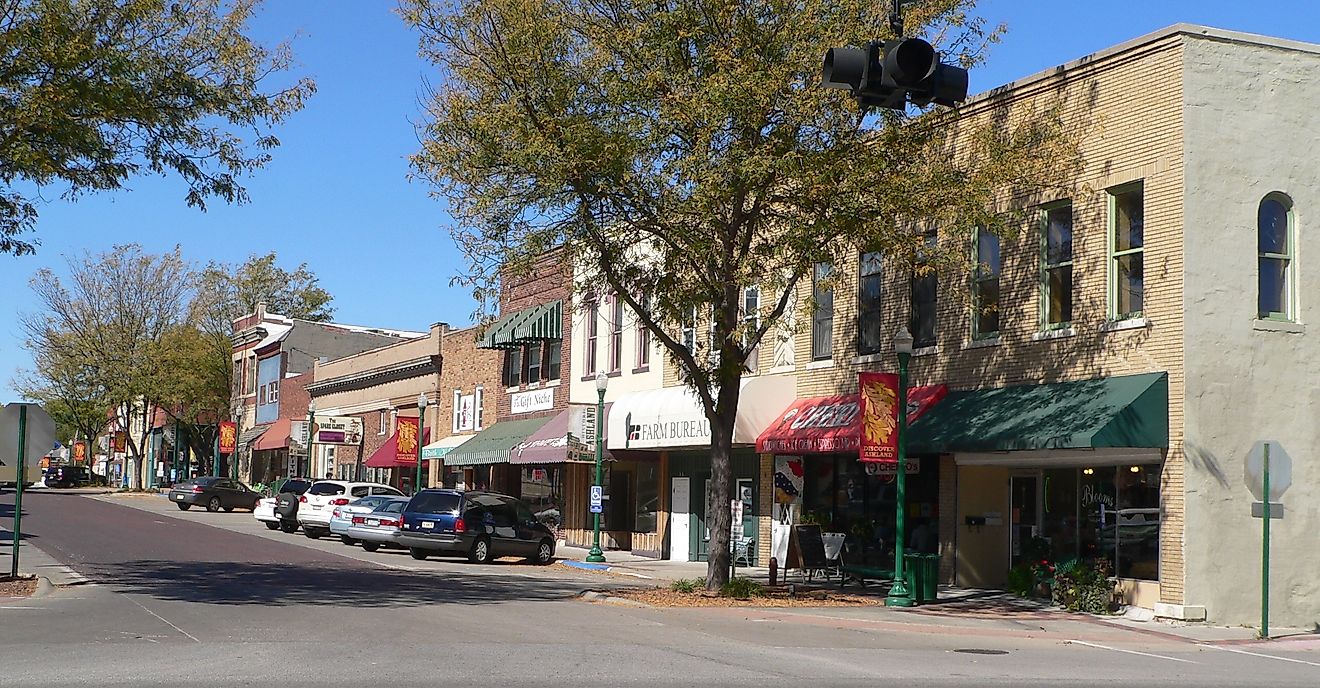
column 107, row 321
column 684, row 149
column 98, row 91
column 66, row 386
column 226, row 292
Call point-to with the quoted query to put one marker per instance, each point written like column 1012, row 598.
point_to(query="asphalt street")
column 191, row 598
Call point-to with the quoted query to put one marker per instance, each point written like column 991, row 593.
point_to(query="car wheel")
column 272, row 525
column 347, row 540
column 418, row 553
column 545, row 553
column 313, row 533
column 480, row 552
column 289, row 526
column 373, row 546
column 213, row 505
column 182, row 506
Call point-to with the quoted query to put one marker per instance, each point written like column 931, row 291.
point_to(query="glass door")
column 1024, row 514
column 700, row 531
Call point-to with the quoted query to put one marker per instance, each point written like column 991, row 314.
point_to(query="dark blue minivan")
column 481, row 526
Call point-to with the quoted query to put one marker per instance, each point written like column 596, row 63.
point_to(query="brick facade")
column 548, row 279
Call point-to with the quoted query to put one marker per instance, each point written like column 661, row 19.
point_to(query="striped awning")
column 539, row 323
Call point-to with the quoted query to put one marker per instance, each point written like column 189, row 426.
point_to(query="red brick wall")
column 548, row 280
column 463, row 366
column 294, row 397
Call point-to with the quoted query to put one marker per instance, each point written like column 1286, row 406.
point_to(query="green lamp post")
column 421, row 432
column 899, row 595
column 311, row 438
column 236, row 412
column 596, row 556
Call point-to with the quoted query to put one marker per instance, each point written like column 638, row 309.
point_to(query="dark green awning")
column 539, row 323
column 1125, row 411
column 493, row 444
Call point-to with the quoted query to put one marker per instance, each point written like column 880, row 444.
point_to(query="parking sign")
column 597, row 495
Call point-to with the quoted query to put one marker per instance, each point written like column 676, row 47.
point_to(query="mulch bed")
column 17, row 587
column 776, row 597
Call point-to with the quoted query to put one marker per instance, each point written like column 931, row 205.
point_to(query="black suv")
column 286, row 502
column 479, row 525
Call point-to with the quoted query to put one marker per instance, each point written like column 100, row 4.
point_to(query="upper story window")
column 985, row 285
column 751, row 323
column 237, row 385
column 925, row 300
column 512, row 367
column 1127, row 225
column 478, row 401
column 1057, row 265
column 870, row 277
column 1274, row 252
column 593, row 328
column 554, row 351
column 456, row 415
column 250, row 379
column 616, row 334
column 822, row 315
column 690, row 331
column 532, row 353
column 273, row 395
column 643, row 357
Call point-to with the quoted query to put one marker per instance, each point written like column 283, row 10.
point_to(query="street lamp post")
column 236, row 412
column 602, row 381
column 421, row 432
column 311, row 435
column 899, row 595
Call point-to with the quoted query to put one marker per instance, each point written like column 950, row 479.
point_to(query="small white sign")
column 736, row 506
column 467, row 405
column 293, row 467
column 582, row 423
column 597, row 498
column 890, row 468
column 534, row 400
column 1280, row 470
column 345, row 430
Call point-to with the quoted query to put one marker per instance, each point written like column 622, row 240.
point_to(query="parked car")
column 379, row 528
column 317, row 504
column 281, row 511
column 479, row 525
column 342, row 517
column 67, row 476
column 215, row 494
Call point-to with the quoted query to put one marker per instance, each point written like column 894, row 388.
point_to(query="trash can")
column 914, row 574
column 930, row 577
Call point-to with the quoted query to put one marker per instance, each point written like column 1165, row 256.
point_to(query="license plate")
column 179, row 497
column 373, row 521
column 428, row 524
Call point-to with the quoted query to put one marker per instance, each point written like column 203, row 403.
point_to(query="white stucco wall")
column 582, row 391
column 1250, row 129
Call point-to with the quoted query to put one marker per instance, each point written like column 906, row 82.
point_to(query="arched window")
column 1274, row 251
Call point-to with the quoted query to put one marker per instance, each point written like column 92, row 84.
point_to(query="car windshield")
column 393, row 507
column 295, row 486
column 434, row 503
column 366, row 501
column 326, row 489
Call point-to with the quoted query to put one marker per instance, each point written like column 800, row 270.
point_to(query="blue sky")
column 337, row 197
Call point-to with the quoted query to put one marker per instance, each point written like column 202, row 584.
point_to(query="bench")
column 862, row 574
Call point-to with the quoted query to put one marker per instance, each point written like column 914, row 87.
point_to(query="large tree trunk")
column 720, row 488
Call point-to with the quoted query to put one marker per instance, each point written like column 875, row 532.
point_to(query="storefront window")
column 1138, row 522
column 648, row 497
column 1059, row 513
column 1095, row 493
column 543, row 490
column 843, row 497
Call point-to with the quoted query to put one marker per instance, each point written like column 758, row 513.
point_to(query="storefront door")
column 700, row 531
column 680, row 500
column 1025, row 513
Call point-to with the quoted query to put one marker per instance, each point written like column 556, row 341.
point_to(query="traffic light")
column 889, row 74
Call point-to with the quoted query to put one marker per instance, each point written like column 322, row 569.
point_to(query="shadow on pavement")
column 300, row 584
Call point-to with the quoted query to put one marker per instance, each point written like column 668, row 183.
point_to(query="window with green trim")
column 985, row 286
column 1057, row 265
column 1274, row 251
column 1127, row 286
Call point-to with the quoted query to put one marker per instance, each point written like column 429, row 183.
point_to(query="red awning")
column 275, row 437
column 828, row 425
column 388, row 454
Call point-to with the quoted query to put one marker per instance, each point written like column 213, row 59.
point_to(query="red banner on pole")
column 79, row 452
column 879, row 416
column 406, row 440
column 120, row 442
column 228, row 437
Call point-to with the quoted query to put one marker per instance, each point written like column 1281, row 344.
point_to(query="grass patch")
column 742, row 589
column 688, row 585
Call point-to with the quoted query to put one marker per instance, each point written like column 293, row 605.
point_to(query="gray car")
column 379, row 528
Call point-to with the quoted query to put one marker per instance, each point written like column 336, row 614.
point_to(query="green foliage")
column 742, row 589
column 99, row 91
column 226, row 292
column 1083, row 586
column 1022, row 580
column 688, row 585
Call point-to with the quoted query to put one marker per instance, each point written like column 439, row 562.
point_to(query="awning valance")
column 494, row 444
column 557, row 441
column 827, row 425
column 1130, row 411
column 672, row 417
column 444, row 445
column 250, row 434
column 388, row 455
column 541, row 322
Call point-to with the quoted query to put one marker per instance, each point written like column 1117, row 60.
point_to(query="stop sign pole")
column 1265, row 548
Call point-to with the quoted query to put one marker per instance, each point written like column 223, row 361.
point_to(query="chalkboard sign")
column 809, row 547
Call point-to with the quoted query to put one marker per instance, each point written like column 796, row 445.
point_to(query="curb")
column 597, row 596
column 604, row 568
column 44, row 587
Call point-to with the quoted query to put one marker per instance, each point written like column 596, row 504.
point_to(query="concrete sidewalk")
column 33, row 561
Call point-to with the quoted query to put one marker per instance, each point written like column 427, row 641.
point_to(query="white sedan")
column 316, row 505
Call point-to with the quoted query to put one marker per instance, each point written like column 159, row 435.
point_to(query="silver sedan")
column 379, row 528
column 342, row 517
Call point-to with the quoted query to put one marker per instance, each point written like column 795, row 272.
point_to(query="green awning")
column 539, row 323
column 1126, row 411
column 493, row 444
